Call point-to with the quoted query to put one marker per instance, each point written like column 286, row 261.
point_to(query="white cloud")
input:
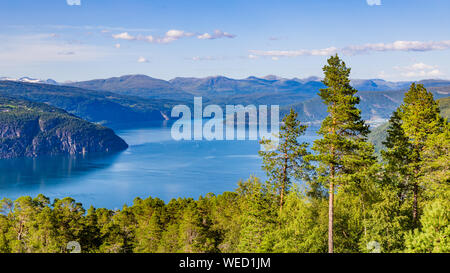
column 374, row 2
column 421, row 66
column 422, row 73
column 216, row 35
column 143, row 60
column 117, row 46
column 74, row 2
column 171, row 36
column 397, row 46
column 358, row 49
column 419, row 70
column 124, row 36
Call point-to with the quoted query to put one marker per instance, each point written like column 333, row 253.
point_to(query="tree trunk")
column 331, row 195
column 330, row 217
column 284, row 182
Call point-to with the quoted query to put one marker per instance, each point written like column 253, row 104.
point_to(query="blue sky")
column 87, row 39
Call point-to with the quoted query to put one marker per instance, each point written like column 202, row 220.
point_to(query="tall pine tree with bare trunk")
column 343, row 149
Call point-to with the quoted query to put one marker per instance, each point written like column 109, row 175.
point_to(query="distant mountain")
column 185, row 87
column 96, row 106
column 376, row 106
column 134, row 85
column 220, row 88
column 29, row 80
column 33, row 129
column 382, row 85
column 378, row 85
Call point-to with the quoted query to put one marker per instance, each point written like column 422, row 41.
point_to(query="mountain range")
column 219, row 86
column 143, row 98
column 146, row 86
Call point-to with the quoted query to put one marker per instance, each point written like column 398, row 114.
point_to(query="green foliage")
column 303, row 225
column 420, row 117
column 386, row 221
column 444, row 106
column 378, row 134
column 416, row 121
column 434, row 236
column 258, row 218
column 415, row 177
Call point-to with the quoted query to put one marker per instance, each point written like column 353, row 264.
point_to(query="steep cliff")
column 33, row 129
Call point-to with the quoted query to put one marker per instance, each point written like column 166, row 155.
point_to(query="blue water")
column 154, row 165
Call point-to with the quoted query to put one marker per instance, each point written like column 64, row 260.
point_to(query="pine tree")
column 343, row 149
column 398, row 157
column 303, row 223
column 258, row 215
column 434, row 233
column 436, row 167
column 420, row 119
column 4, row 228
column 193, row 233
column 225, row 214
column 286, row 161
column 69, row 218
column 149, row 227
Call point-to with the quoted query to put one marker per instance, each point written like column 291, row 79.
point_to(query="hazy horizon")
column 5, row 77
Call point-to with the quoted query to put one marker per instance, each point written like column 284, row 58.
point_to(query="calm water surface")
column 154, row 165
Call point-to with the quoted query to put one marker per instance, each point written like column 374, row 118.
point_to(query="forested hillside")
column 379, row 133
column 376, row 106
column 34, row 129
column 95, row 106
column 444, row 105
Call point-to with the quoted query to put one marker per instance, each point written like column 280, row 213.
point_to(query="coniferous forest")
column 333, row 195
